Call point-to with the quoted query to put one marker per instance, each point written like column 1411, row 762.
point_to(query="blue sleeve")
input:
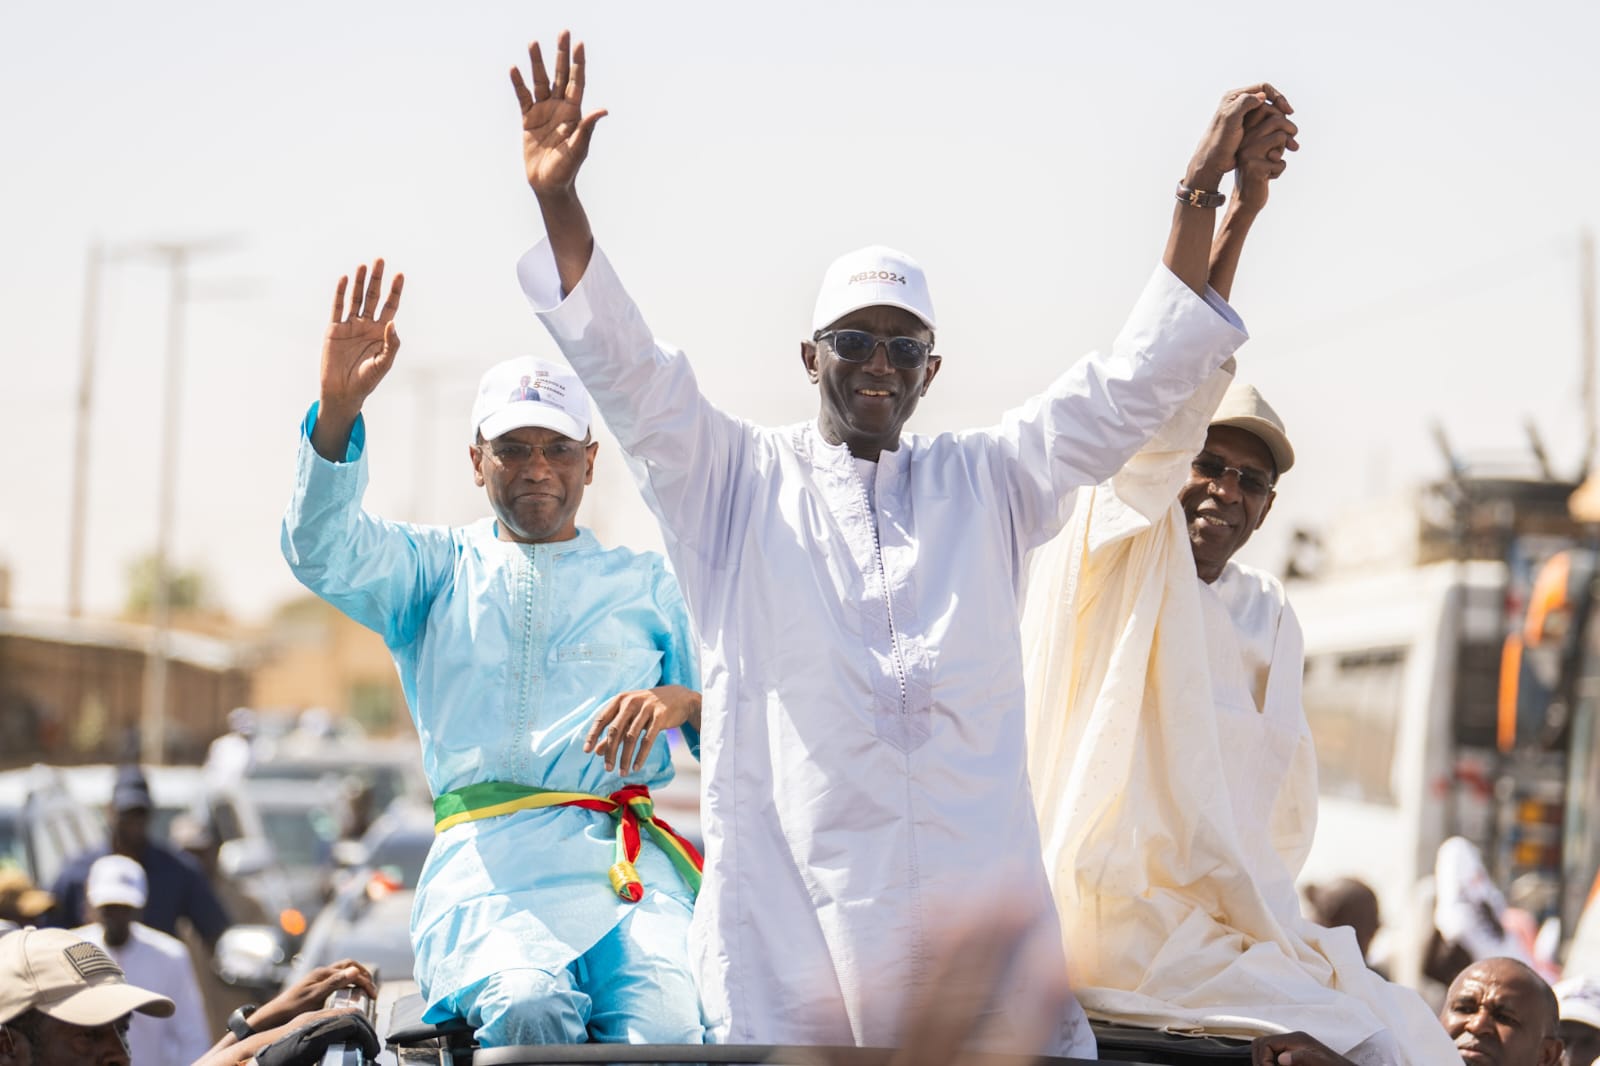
column 68, row 892
column 382, row 574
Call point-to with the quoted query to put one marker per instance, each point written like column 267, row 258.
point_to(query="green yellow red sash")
column 631, row 806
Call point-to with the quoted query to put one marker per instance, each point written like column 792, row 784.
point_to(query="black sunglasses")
column 857, row 345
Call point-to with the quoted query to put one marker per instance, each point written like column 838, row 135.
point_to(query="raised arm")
column 1268, row 134
column 555, row 142
column 1188, row 253
column 357, row 351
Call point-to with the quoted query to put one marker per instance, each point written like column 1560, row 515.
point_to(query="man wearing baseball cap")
column 1172, row 764
column 1579, row 1026
column 64, row 1002
column 857, row 589
column 178, row 888
column 117, row 892
column 539, row 666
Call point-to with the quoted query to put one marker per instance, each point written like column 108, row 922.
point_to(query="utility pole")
column 1586, row 340
column 77, row 522
column 175, row 256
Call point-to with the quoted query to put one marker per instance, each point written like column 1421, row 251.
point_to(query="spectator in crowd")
column 177, row 887
column 232, row 755
column 1499, row 1012
column 295, row 1027
column 357, row 805
column 116, row 892
column 1578, row 999
column 511, row 635
column 1346, row 902
column 21, row 902
column 64, row 1002
column 856, row 587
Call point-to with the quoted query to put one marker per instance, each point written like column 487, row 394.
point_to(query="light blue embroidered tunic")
column 506, row 652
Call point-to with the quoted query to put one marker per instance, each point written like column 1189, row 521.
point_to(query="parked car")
column 42, row 824
column 391, row 769
column 277, row 841
column 369, row 919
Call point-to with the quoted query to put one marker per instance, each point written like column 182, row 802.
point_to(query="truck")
column 1452, row 682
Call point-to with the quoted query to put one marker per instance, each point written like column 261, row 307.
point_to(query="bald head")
column 1500, row 1013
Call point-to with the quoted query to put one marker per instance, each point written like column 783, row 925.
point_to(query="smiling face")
column 535, row 495
column 1500, row 1013
column 865, row 405
column 1220, row 513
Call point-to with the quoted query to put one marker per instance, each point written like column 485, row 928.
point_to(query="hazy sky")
column 1417, row 262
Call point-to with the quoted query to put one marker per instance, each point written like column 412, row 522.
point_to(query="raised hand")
column 357, row 351
column 1219, row 147
column 555, row 131
column 634, row 720
column 359, row 347
column 311, row 991
column 1268, row 134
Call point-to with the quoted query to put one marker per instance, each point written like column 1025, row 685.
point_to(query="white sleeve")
column 1104, row 408
column 189, row 1019
column 685, row 453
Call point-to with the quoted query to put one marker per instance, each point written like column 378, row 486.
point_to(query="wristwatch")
column 239, row 1022
column 1199, row 197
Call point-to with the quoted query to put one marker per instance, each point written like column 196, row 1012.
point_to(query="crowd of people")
column 1015, row 670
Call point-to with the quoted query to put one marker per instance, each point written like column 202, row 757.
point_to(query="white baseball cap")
column 870, row 277
column 1579, row 998
column 116, row 879
column 524, row 392
column 61, row 974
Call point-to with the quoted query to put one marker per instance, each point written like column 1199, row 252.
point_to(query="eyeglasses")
column 856, row 346
column 515, row 453
column 1251, row 482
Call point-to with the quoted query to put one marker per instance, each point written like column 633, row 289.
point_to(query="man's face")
column 49, row 1042
column 130, row 831
column 1582, row 1043
column 117, row 921
column 864, row 405
column 1220, row 513
column 535, row 479
column 1499, row 1014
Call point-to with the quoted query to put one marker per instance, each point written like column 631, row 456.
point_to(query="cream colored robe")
column 1175, row 780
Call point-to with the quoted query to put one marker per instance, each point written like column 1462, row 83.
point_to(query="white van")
column 1401, row 684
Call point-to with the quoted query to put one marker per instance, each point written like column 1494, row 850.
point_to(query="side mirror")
column 251, row 956
column 244, row 857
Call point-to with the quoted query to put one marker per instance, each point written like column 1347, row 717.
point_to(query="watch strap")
column 239, row 1022
column 1200, row 197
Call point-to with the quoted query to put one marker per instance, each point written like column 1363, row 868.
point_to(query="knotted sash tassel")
column 625, row 882
column 630, row 806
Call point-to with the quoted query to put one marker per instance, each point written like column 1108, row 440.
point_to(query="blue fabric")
column 635, row 986
column 178, row 889
column 505, row 652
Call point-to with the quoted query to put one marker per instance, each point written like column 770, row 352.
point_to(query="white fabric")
column 1468, row 909
column 153, row 960
column 1176, row 780
column 863, row 745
